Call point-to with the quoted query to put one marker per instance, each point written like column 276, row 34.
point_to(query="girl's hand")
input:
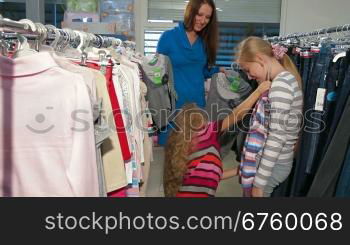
column 228, row 173
column 257, row 192
column 264, row 86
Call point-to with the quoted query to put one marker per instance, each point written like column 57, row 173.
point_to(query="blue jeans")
column 319, row 80
column 330, row 107
column 164, row 134
column 342, row 92
column 311, row 133
column 343, row 186
column 306, row 68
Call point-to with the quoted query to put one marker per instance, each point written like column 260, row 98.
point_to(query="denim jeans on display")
column 312, row 123
column 332, row 93
column 343, row 186
column 306, row 68
column 343, row 91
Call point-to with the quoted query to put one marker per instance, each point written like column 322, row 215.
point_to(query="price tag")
column 319, row 104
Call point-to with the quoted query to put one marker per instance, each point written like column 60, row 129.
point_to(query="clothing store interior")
column 174, row 98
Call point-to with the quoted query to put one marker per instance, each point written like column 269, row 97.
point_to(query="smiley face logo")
column 40, row 120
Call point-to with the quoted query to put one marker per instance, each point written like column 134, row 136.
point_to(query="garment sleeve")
column 82, row 168
column 281, row 98
column 163, row 43
column 209, row 72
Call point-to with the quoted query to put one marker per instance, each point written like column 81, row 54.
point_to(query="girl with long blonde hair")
column 270, row 142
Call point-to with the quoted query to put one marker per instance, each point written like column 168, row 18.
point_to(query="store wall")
column 310, row 15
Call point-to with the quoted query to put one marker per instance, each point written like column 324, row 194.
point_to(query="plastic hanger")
column 83, row 59
column 338, row 56
column 30, row 23
column 53, row 30
column 342, row 54
column 71, row 39
column 5, row 46
column 234, row 66
column 102, row 55
column 42, row 32
column 23, row 48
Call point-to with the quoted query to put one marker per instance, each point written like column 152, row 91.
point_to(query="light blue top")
column 189, row 63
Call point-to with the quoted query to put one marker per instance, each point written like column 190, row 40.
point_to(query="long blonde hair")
column 180, row 144
column 249, row 47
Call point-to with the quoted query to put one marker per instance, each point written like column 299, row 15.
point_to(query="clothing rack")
column 335, row 29
column 38, row 31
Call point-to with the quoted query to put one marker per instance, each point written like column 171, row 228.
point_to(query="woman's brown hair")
column 179, row 146
column 210, row 33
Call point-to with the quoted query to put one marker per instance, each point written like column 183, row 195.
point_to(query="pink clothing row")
column 52, row 143
column 47, row 145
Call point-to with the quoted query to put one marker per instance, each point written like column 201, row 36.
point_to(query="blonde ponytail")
column 288, row 64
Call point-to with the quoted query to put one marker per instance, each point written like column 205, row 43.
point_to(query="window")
column 151, row 41
column 16, row 10
column 230, row 34
column 54, row 14
column 13, row 10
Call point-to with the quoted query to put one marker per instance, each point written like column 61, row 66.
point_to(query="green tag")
column 234, row 83
column 153, row 61
column 157, row 78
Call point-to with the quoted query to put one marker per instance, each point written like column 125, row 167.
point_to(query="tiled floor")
column 227, row 188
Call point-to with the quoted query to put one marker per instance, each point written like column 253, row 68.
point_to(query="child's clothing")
column 204, row 165
column 276, row 162
column 254, row 144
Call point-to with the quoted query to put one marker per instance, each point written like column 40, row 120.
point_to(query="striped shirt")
column 254, row 144
column 204, row 168
column 286, row 103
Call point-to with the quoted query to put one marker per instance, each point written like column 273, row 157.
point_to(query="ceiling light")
column 160, row 21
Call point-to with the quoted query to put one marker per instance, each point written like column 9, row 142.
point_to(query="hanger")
column 4, row 45
column 83, row 59
column 42, row 32
column 57, row 35
column 62, row 43
column 102, row 55
column 342, row 54
column 33, row 28
column 23, row 47
column 338, row 56
column 30, row 23
column 68, row 44
column 235, row 66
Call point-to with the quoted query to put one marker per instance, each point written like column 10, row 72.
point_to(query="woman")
column 191, row 47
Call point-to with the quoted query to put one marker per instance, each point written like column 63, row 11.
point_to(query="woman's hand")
column 257, row 192
column 263, row 87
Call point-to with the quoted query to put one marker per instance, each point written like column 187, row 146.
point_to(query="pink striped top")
column 204, row 166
